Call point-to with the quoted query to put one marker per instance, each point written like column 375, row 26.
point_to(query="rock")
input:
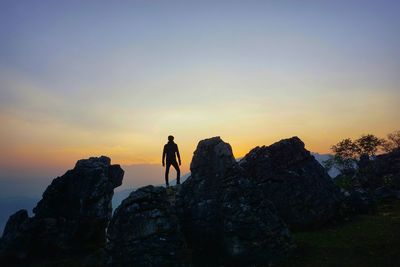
column 225, row 218
column 225, row 214
column 252, row 231
column 70, row 219
column 200, row 196
column 295, row 182
column 145, row 231
column 387, row 168
column 389, row 163
column 379, row 175
column 358, row 201
column 15, row 223
column 385, row 193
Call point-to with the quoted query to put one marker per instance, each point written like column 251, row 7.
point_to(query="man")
column 171, row 151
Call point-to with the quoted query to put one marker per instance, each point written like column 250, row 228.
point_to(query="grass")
column 362, row 241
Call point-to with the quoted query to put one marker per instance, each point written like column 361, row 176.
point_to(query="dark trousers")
column 178, row 172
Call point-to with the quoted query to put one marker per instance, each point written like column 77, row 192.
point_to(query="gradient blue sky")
column 81, row 78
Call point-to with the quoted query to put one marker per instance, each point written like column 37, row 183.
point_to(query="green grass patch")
column 362, row 241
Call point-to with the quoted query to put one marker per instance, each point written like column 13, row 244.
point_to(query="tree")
column 393, row 142
column 345, row 156
column 346, row 149
column 368, row 145
column 348, row 152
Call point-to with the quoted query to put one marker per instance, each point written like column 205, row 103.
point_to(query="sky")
column 115, row 78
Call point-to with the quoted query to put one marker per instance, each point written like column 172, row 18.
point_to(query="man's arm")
column 163, row 156
column 177, row 153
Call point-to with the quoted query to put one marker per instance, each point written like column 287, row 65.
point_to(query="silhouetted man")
column 171, row 151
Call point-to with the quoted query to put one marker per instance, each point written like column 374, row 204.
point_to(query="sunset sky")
column 89, row 78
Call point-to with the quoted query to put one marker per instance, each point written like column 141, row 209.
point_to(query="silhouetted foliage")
column 368, row 145
column 345, row 156
column 393, row 142
column 348, row 152
column 344, row 181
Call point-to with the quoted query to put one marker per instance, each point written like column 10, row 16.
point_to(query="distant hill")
column 138, row 175
column 122, row 194
column 119, row 196
column 323, row 157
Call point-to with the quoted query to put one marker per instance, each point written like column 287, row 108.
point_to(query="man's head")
column 170, row 138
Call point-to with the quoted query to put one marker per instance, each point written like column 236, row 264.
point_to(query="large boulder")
column 388, row 165
column 384, row 171
column 145, row 231
column 225, row 218
column 295, row 182
column 70, row 219
column 379, row 176
column 358, row 201
column 200, row 196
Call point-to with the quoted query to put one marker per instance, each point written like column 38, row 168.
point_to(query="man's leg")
column 178, row 172
column 167, row 173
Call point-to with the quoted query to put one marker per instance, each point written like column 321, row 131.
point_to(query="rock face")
column 294, row 181
column 225, row 218
column 70, row 219
column 379, row 177
column 145, row 231
column 217, row 214
column 358, row 201
column 383, row 171
column 225, row 214
column 389, row 165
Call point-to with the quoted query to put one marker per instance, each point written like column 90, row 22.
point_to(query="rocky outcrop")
column 225, row 218
column 378, row 176
column 388, row 165
column 217, row 214
column 145, row 231
column 294, row 181
column 383, row 171
column 225, row 214
column 70, row 219
column 358, row 201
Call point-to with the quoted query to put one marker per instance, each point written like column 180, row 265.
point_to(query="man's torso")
column 170, row 150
